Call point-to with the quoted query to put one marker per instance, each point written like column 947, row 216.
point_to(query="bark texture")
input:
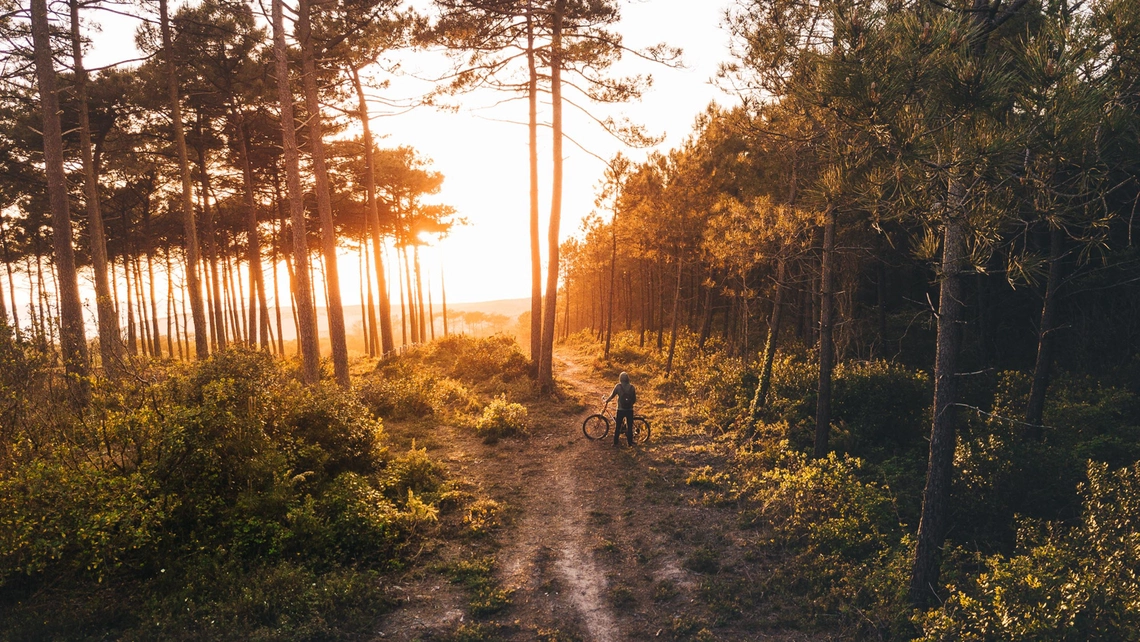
column 943, row 438
column 324, row 201
column 189, row 226
column 302, row 288
column 73, row 342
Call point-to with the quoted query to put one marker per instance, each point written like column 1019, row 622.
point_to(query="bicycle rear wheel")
column 640, row 430
column 596, row 426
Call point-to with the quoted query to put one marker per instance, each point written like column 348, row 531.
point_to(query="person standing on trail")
column 627, row 396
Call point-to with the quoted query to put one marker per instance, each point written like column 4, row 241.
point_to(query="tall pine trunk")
column 546, row 363
column 190, row 228
column 936, row 495
column 613, row 282
column 676, row 317
column 1042, row 370
column 301, row 286
column 324, row 201
column 420, row 293
column 826, row 346
column 387, row 341
column 73, row 341
column 760, row 398
column 258, row 302
column 535, row 251
column 110, row 343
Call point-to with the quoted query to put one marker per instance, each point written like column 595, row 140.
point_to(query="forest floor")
column 595, row 543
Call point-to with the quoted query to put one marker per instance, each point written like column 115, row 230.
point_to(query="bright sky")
column 484, row 159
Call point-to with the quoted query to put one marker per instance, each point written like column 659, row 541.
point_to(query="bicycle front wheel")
column 596, row 426
column 640, row 430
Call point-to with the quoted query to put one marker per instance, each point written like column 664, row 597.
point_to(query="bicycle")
column 597, row 426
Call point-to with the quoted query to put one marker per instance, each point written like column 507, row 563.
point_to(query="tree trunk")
column 412, row 317
column 403, row 308
column 258, row 302
column 110, row 343
column 278, row 232
column 215, row 280
column 201, row 343
column 676, row 316
column 375, row 347
column 535, row 251
column 171, row 318
column 1045, row 338
column 936, row 496
column 443, row 295
column 155, row 337
column 613, row 281
column 760, row 398
column 140, row 299
column 826, row 346
column 386, row 339
column 431, row 312
column 3, row 311
column 11, row 283
column 73, row 342
column 324, row 202
column 301, row 285
column 546, row 363
column 420, row 293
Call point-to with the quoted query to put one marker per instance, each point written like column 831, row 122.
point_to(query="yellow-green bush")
column 1062, row 584
column 227, row 469
column 502, row 418
column 847, row 550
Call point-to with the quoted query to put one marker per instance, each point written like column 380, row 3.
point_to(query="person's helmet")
column 623, row 377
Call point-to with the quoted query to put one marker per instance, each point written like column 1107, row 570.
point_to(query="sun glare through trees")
column 305, row 308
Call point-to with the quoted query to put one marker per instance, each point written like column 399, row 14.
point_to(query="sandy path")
column 554, row 541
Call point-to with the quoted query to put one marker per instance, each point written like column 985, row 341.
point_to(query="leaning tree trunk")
column 73, row 341
column 190, row 229
column 1045, row 338
column 826, row 347
column 302, row 287
column 936, row 496
column 535, row 252
column 324, row 201
column 110, row 343
column 387, row 341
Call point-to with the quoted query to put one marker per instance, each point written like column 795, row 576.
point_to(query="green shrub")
column 398, row 394
column 416, row 472
column 1063, row 583
column 210, row 487
column 848, row 554
column 476, row 361
column 502, row 419
column 75, row 520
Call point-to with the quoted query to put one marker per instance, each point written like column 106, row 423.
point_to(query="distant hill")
column 508, row 307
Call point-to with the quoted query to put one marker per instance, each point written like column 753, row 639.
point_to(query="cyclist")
column 627, row 396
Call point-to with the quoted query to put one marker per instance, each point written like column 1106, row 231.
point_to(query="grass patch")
column 485, row 597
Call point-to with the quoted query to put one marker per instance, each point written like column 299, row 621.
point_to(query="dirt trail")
column 598, row 541
column 550, row 562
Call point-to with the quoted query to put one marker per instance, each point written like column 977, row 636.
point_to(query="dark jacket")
column 626, row 396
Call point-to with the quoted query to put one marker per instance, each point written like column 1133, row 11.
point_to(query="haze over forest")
column 870, row 265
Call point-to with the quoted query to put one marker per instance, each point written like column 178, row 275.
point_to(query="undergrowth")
column 221, row 499
column 1044, row 538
